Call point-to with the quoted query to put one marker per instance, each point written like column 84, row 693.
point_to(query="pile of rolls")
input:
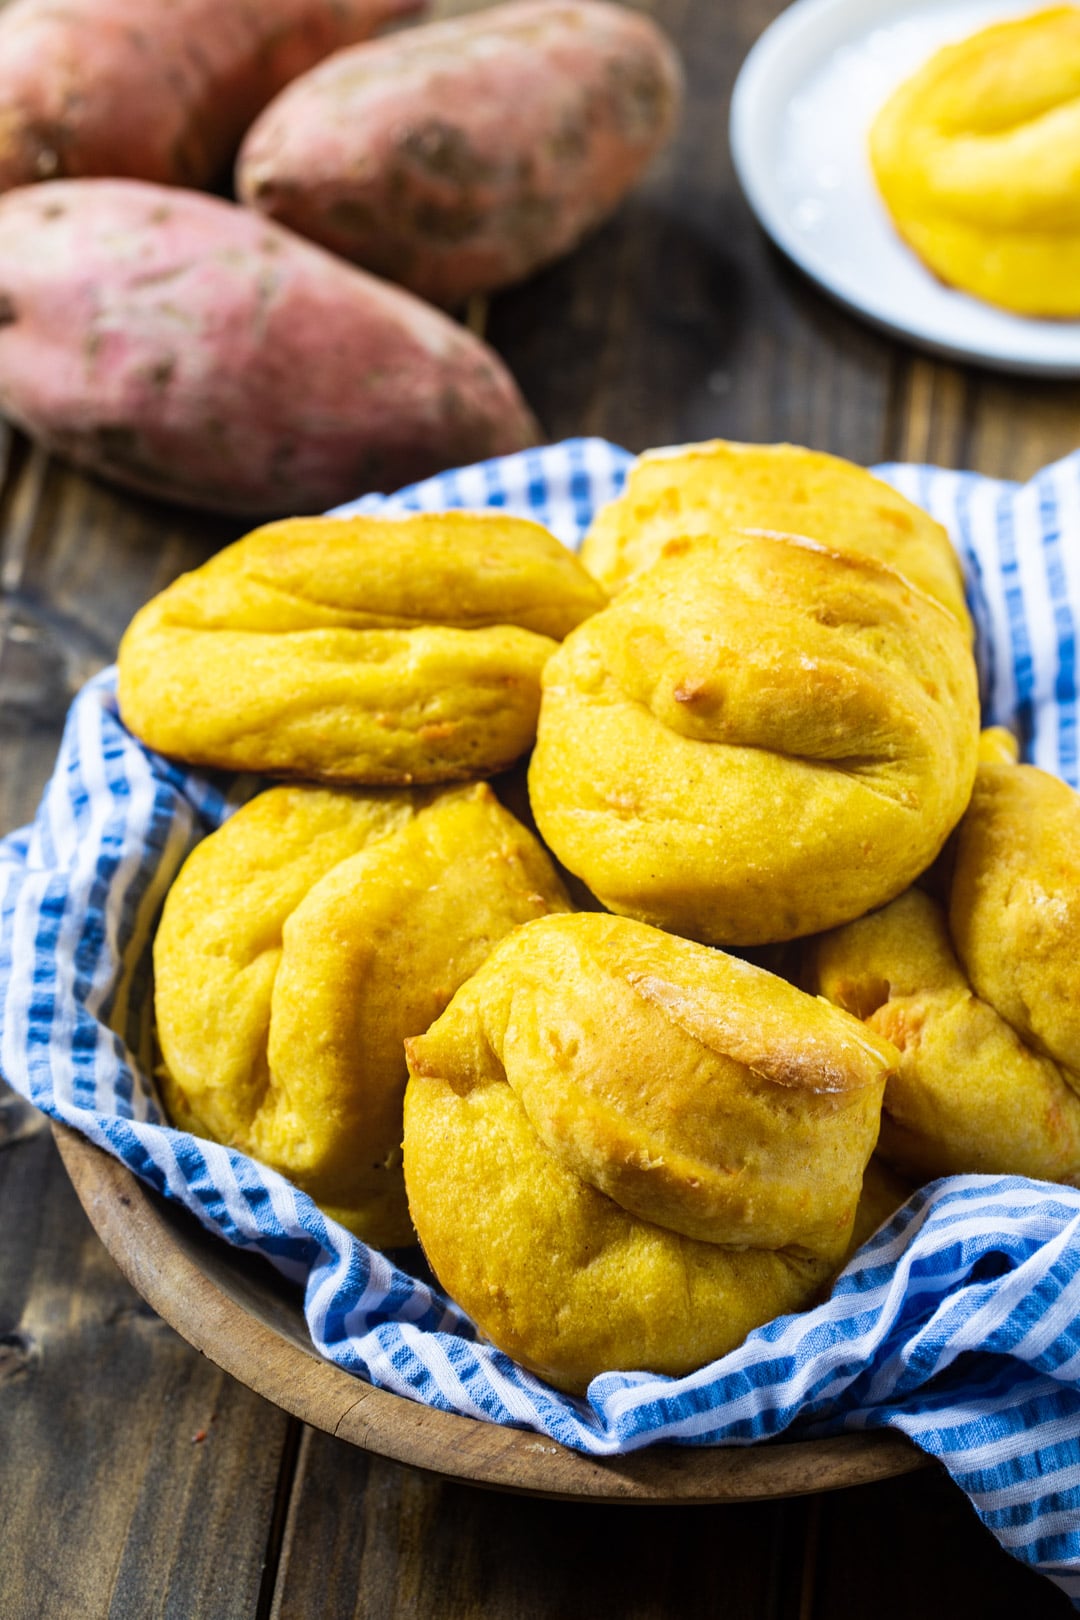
column 543, row 1032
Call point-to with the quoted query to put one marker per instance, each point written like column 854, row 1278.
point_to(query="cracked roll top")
column 978, row 993
column 625, row 1150
column 362, row 650
column 757, row 740
column 300, row 944
column 977, row 157
column 713, row 487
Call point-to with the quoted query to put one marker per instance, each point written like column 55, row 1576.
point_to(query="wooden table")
column 136, row 1479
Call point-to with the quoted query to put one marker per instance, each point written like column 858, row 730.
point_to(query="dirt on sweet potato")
column 159, row 90
column 459, row 157
column 196, row 351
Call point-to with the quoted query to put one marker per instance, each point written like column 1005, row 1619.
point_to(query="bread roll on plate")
column 977, row 156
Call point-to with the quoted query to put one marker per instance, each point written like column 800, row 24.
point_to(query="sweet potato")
column 155, row 89
column 192, row 349
column 459, row 157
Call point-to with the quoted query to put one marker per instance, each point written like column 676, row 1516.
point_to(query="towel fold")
column 959, row 1323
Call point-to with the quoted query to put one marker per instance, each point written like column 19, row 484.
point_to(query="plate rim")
column 156, row 1262
column 757, row 67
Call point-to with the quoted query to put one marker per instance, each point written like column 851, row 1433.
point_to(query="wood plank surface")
column 136, row 1479
column 915, row 1548
column 371, row 1539
column 678, row 321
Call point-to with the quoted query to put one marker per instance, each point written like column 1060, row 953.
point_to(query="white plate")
column 802, row 110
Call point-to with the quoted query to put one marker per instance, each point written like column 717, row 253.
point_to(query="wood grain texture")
column 1017, row 426
column 678, row 321
column 370, row 1539
column 373, row 1541
column 76, row 561
column 137, row 1478
column 1007, row 427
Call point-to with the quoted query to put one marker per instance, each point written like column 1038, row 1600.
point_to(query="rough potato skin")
column 459, row 158
column 155, row 89
column 192, row 350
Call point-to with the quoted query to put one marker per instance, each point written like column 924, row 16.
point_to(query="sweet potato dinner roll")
column 758, row 739
column 704, row 488
column 883, row 1192
column 300, row 944
column 365, row 650
column 1014, row 907
column 998, row 746
column 979, row 995
column 977, row 156
column 624, row 1150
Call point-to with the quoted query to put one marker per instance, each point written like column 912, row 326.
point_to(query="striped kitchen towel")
column 959, row 1323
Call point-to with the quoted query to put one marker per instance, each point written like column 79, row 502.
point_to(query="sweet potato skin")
column 155, row 89
column 459, row 157
column 190, row 349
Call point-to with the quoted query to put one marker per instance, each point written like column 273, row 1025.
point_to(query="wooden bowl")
column 238, row 1311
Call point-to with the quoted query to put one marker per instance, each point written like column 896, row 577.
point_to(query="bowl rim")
column 233, row 1308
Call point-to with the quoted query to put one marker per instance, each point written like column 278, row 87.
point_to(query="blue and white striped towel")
column 958, row 1324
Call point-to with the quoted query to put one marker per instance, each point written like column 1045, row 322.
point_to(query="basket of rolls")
column 627, row 993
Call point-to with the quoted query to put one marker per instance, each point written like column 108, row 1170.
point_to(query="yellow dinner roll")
column 998, row 746
column 758, row 739
column 714, row 487
column 625, row 1150
column 978, row 994
column 363, row 650
column 977, row 156
column 1014, row 906
column 299, row 946
column 883, row 1192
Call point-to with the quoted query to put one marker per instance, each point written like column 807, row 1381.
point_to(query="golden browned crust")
column 976, row 158
column 609, row 1178
column 998, row 746
column 710, row 488
column 757, row 739
column 366, row 650
column 1014, row 907
column 978, row 993
column 883, row 1192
